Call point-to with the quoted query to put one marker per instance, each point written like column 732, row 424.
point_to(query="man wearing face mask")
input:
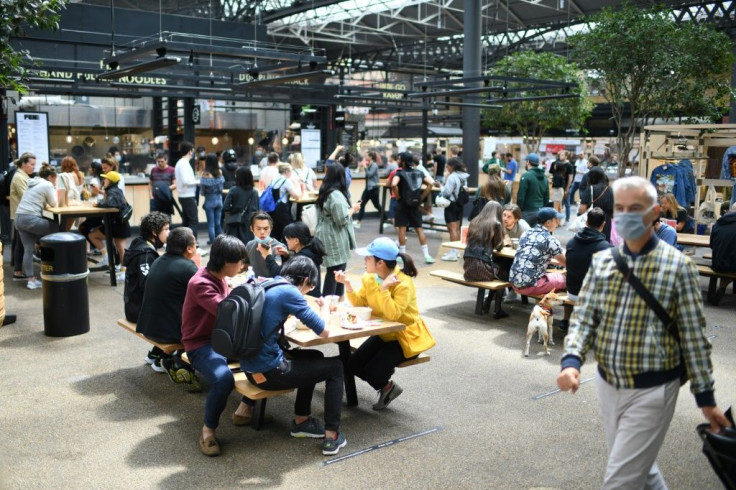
column 640, row 359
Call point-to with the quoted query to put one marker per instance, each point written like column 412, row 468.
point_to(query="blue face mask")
column 265, row 241
column 379, row 281
column 630, row 226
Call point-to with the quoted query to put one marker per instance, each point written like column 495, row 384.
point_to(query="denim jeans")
column 375, row 361
column 213, row 209
column 573, row 189
column 31, row 229
column 566, row 203
column 303, row 374
column 213, row 367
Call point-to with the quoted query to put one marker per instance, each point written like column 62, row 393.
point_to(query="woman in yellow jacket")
column 390, row 293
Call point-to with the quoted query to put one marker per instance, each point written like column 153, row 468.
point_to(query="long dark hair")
column 211, row 165
column 494, row 189
column 486, row 229
column 334, row 181
column 244, row 177
column 300, row 231
column 409, row 268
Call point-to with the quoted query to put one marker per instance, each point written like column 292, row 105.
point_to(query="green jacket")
column 533, row 190
column 335, row 229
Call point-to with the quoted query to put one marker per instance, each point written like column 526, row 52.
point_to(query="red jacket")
column 198, row 315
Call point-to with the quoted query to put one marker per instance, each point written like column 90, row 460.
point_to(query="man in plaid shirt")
column 638, row 358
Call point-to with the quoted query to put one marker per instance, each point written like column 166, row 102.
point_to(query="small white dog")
column 541, row 321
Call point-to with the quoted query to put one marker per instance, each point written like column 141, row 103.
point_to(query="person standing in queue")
column 187, row 185
column 391, row 294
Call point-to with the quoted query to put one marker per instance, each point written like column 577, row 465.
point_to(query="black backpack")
column 411, row 189
column 237, row 332
column 6, row 178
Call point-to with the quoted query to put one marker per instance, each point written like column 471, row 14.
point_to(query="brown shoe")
column 240, row 420
column 209, row 446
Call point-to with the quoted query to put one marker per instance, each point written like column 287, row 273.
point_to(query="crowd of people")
column 626, row 234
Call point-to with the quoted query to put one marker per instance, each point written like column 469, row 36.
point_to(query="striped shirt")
column 630, row 343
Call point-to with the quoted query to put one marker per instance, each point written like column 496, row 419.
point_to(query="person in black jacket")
column 723, row 244
column 120, row 229
column 579, row 254
column 240, row 203
column 139, row 256
column 229, row 168
column 300, row 241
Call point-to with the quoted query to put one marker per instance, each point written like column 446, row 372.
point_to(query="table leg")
column 299, row 209
column 382, row 214
column 351, row 393
column 107, row 221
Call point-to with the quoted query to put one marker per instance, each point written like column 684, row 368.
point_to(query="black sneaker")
column 563, row 325
column 309, row 428
column 386, row 397
column 153, row 355
column 332, row 446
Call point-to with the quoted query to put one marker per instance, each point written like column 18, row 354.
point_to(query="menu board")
column 311, row 148
column 32, row 129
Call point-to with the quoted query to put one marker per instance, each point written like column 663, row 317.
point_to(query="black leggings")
column 372, row 195
column 376, row 360
column 331, row 286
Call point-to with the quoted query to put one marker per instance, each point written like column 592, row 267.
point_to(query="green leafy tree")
column 644, row 61
column 15, row 17
column 533, row 119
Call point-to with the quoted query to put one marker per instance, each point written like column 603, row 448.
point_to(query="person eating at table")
column 120, row 229
column 272, row 369
column 391, row 294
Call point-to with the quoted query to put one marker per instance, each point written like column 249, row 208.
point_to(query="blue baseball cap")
column 546, row 214
column 533, row 158
column 381, row 248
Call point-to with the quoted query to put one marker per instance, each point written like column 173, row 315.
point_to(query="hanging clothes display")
column 728, row 172
column 669, row 178
column 687, row 168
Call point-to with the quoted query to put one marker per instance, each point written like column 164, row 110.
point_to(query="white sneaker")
column 104, row 261
column 356, row 225
column 34, row 284
column 120, row 277
column 202, row 252
column 450, row 257
column 429, row 259
column 511, row 297
column 428, row 218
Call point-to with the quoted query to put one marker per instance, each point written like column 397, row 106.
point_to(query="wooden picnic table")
column 505, row 252
column 342, row 337
column 61, row 214
column 692, row 240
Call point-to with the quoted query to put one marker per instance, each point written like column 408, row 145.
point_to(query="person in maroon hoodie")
column 204, row 292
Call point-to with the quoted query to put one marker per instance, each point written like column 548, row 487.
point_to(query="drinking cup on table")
column 332, row 301
column 514, row 243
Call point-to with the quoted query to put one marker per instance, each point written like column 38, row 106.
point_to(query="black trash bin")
column 64, row 273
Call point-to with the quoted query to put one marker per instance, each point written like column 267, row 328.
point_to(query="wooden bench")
column 420, row 359
column 482, row 286
column 249, row 390
column 707, row 271
column 130, row 327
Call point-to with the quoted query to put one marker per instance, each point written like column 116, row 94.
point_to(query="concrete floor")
column 86, row 412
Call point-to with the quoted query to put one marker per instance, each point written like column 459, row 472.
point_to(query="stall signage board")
column 32, row 129
column 311, row 149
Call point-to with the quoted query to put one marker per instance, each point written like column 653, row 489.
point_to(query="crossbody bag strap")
column 645, row 294
column 247, row 204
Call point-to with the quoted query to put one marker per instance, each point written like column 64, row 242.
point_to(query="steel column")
column 471, row 68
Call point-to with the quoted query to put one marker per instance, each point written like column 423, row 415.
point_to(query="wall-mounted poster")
column 32, row 129
column 311, row 146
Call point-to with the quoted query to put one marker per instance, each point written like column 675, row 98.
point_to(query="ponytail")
column 409, row 268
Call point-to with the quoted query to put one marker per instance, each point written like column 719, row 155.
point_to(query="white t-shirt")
column 186, row 182
column 581, row 167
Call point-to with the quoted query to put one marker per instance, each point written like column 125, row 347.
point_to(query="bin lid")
column 62, row 237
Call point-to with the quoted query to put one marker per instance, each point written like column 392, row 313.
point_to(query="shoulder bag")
column 652, row 302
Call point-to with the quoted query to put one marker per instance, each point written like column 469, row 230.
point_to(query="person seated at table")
column 513, row 224
column 485, row 235
column 120, row 228
column 270, row 369
column 301, row 242
column 537, row 248
column 670, row 209
column 143, row 251
column 666, row 233
column 159, row 318
column 579, row 254
column 29, row 220
column 493, row 189
column 723, row 244
column 206, row 289
column 240, row 204
column 263, row 249
column 391, row 294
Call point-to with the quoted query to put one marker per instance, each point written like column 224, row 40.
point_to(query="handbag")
column 652, row 302
column 309, row 217
column 581, row 220
column 125, row 213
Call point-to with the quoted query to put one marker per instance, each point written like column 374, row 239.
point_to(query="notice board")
column 311, row 146
column 32, row 130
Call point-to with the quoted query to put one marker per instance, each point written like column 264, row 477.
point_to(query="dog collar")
column 546, row 309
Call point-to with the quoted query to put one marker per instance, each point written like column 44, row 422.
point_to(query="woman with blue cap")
column 390, row 293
